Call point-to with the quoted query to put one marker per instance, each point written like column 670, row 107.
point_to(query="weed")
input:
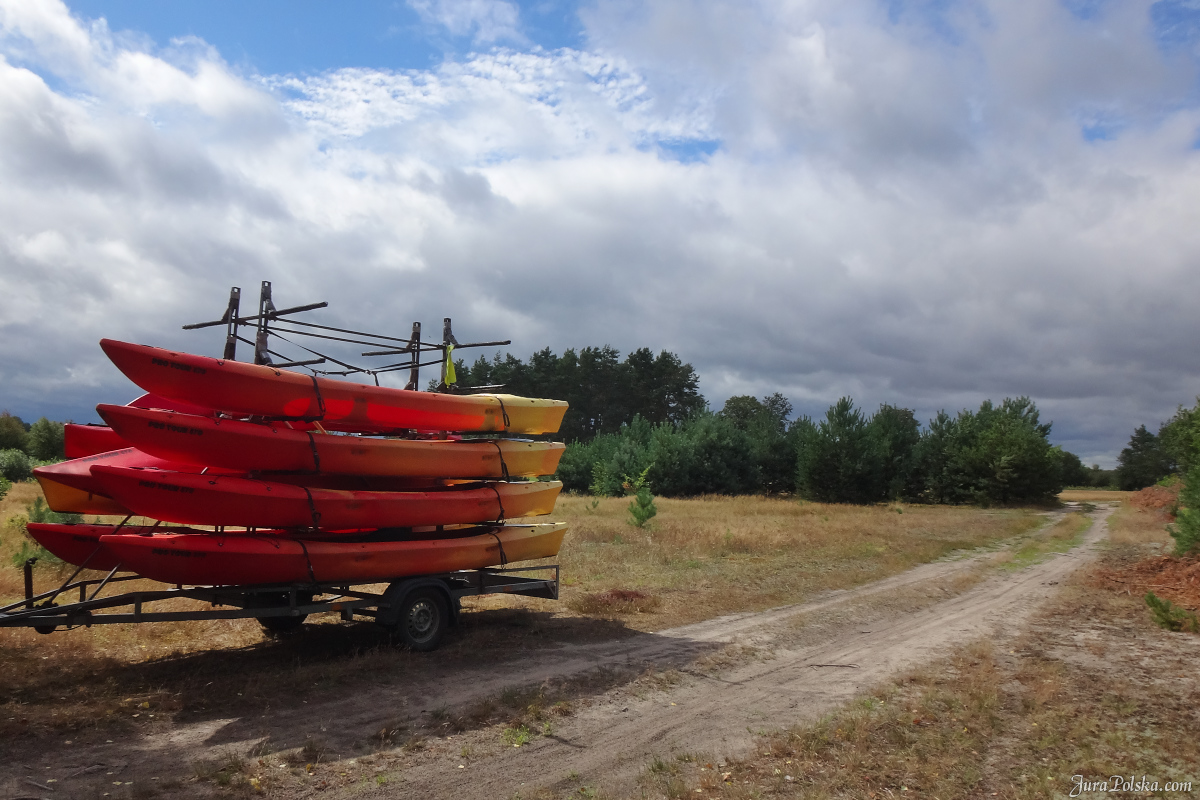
column 312, row 751
column 223, row 771
column 516, row 736
column 414, row 744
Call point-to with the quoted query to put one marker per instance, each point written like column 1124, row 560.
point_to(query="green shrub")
column 642, row 508
column 1170, row 616
column 15, row 465
column 1186, row 528
column 5, row 485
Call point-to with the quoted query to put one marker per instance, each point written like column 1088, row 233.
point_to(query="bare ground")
column 704, row 689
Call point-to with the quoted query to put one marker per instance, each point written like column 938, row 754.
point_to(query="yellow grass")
column 715, row 555
column 1093, row 496
column 1129, row 525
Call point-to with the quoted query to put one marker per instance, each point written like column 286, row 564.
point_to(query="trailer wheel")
column 422, row 620
column 279, row 626
column 282, row 626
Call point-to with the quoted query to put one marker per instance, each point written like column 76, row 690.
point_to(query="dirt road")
column 709, row 688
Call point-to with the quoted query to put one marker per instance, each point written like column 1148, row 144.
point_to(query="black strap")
column 312, row 508
column 307, row 560
column 320, row 399
column 500, row 544
column 503, row 412
column 499, row 502
column 117, row 529
column 503, row 465
column 316, row 456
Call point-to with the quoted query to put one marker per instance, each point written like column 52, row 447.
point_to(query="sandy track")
column 609, row 742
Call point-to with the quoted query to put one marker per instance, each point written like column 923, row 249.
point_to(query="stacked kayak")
column 327, row 480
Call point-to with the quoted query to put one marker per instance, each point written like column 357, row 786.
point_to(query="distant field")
column 1093, row 495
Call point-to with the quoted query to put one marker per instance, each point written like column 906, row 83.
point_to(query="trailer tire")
column 282, row 626
column 423, row 619
column 279, row 626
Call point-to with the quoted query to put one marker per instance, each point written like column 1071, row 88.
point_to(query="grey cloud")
column 896, row 213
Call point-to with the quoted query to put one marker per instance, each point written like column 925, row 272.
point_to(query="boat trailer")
column 418, row 609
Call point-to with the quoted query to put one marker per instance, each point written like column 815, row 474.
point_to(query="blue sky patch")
column 688, row 151
column 305, row 37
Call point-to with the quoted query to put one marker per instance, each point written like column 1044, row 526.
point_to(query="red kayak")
column 245, row 389
column 81, row 441
column 75, row 544
column 205, row 440
column 67, row 483
column 88, row 440
column 210, row 499
column 208, row 559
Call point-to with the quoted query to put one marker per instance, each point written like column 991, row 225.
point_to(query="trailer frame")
column 420, row 608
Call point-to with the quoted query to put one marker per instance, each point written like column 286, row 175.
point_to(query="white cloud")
column 905, row 208
column 485, row 21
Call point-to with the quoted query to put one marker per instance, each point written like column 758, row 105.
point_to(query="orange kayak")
column 207, row 559
column 195, row 499
column 245, row 389
column 205, row 440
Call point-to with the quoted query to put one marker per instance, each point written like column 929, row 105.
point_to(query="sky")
column 925, row 203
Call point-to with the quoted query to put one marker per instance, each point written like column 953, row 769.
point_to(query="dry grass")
column 1133, row 526
column 1093, row 689
column 716, row 555
column 1093, row 496
column 1057, row 539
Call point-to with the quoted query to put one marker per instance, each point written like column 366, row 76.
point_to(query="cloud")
column 901, row 203
column 486, row 21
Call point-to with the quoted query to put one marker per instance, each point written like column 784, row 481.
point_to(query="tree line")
column 645, row 414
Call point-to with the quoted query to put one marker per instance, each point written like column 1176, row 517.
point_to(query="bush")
column 1186, row 529
column 642, row 508
column 1170, row 616
column 5, row 485
column 38, row 511
column 15, row 465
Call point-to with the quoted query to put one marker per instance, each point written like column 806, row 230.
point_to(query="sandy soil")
column 706, row 690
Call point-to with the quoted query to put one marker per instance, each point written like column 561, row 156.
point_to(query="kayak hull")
column 80, row 441
column 204, row 440
column 245, row 389
column 75, row 544
column 219, row 559
column 195, row 499
column 69, row 500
